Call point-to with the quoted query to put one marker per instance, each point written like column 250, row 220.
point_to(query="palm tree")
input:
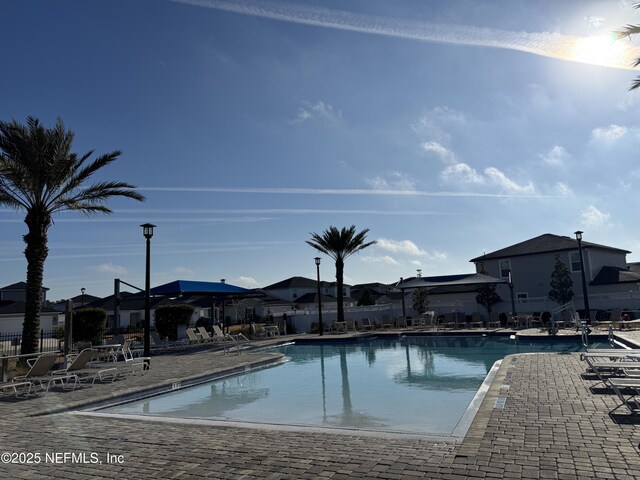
column 629, row 31
column 41, row 176
column 340, row 244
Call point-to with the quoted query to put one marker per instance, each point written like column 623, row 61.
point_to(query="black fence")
column 51, row 341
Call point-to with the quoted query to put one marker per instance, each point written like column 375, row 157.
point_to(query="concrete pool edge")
column 168, row 385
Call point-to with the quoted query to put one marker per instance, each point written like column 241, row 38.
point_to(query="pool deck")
column 541, row 418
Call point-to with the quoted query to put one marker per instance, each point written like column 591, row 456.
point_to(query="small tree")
column 561, row 283
column 366, row 298
column 168, row 317
column 487, row 295
column 89, row 325
column 420, row 300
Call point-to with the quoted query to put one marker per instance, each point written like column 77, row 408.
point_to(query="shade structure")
column 463, row 279
column 189, row 287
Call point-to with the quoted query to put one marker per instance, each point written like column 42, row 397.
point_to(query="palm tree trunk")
column 339, row 283
column 36, row 253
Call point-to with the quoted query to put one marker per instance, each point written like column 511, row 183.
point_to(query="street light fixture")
column 82, row 290
column 147, row 231
column 584, row 282
column 320, row 329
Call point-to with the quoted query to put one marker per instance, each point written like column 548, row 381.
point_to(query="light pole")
column 82, row 290
column 147, row 231
column 513, row 302
column 584, row 282
column 320, row 329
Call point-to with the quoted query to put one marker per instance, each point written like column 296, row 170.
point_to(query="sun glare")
column 602, row 50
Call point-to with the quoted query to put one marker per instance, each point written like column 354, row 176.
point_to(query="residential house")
column 611, row 281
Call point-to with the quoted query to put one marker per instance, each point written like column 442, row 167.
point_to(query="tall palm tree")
column 41, row 176
column 340, row 244
column 629, row 31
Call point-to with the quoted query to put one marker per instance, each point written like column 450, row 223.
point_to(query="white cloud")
column 563, row 189
column 393, row 181
column 246, row 282
column 442, row 152
column 592, row 217
column 109, row 268
column 609, row 134
column 384, row 259
column 501, row 180
column 462, row 173
column 183, row 272
column 556, row 157
column 317, row 110
column 594, row 21
column 400, row 246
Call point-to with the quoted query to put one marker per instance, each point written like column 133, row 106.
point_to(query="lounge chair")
column 82, row 371
column 619, row 384
column 40, row 374
column 192, row 336
column 387, row 322
column 494, row 320
column 401, row 322
column 129, row 363
column 365, row 323
column 604, row 368
column 476, row 320
column 205, row 335
column 158, row 343
column 16, row 386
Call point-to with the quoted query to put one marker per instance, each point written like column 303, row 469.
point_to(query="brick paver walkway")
column 540, row 419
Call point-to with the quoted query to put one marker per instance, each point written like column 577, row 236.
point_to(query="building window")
column 574, row 259
column 505, row 268
column 522, row 297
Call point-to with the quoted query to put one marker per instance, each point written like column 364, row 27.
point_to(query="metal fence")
column 50, row 340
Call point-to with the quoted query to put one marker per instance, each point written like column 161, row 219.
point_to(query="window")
column 574, row 259
column 505, row 268
column 522, row 297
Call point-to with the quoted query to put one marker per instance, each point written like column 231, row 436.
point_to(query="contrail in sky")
column 336, row 191
column 592, row 50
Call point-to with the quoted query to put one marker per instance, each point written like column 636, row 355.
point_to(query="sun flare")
column 602, row 50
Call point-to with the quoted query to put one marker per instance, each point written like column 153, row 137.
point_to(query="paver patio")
column 555, row 423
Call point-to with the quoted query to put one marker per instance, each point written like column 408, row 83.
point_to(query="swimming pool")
column 413, row 384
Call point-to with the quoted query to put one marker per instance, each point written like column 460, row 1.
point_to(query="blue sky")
column 448, row 128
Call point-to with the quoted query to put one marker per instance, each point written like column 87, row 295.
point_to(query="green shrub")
column 168, row 317
column 89, row 325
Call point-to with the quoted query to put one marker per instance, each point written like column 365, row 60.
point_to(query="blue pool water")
column 401, row 384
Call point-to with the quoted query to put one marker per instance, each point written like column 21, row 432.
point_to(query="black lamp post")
column 584, row 282
column 320, row 328
column 147, row 231
column 82, row 290
column 513, row 302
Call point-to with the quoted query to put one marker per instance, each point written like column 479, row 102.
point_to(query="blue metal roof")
column 188, row 287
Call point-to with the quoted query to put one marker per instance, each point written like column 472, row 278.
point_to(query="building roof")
column 462, row 279
column 9, row 307
column 312, row 299
column 299, row 282
column 18, row 286
column 613, row 275
column 542, row 244
column 188, row 287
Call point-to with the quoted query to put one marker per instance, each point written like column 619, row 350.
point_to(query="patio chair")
column 401, row 322
column 351, row 325
column 40, row 374
column 82, row 371
column 16, row 386
column 494, row 320
column 205, row 335
column 192, row 336
column 365, row 323
column 633, row 384
column 605, row 368
column 476, row 320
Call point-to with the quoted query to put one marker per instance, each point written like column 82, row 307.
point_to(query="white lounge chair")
column 365, row 323
column 40, row 374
